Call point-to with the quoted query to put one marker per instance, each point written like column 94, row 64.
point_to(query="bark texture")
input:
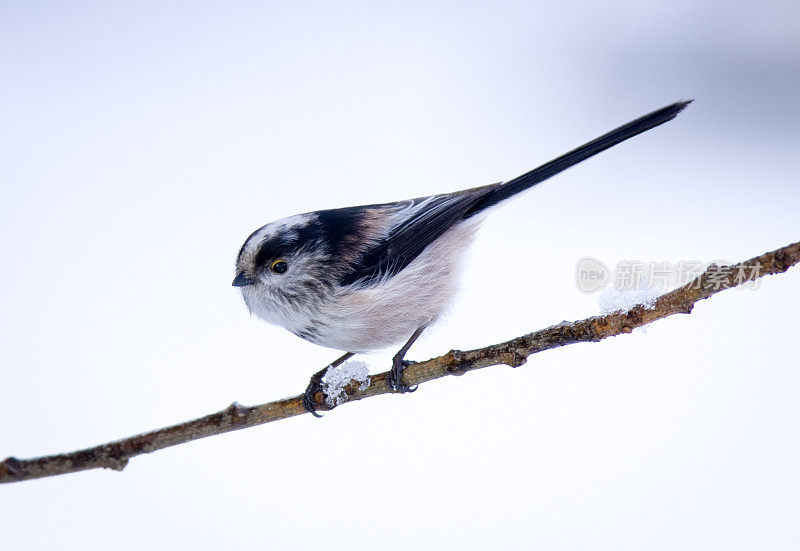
column 115, row 455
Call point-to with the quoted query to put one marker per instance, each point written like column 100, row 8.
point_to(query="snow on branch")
column 115, row 455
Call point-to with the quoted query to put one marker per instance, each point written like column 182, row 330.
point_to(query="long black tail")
column 529, row 179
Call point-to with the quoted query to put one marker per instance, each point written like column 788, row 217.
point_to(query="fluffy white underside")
column 370, row 318
column 388, row 313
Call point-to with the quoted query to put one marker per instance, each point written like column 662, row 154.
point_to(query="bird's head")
column 282, row 267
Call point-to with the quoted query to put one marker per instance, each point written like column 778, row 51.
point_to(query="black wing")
column 423, row 221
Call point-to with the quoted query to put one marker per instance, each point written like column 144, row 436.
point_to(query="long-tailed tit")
column 364, row 278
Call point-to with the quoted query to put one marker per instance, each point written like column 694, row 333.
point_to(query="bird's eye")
column 279, row 266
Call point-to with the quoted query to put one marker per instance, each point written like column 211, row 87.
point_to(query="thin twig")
column 115, row 455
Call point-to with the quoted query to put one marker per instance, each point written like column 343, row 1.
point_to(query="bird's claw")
column 395, row 381
column 309, row 396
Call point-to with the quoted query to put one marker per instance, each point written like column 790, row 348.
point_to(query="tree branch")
column 115, row 455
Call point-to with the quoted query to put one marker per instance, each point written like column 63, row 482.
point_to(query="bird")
column 364, row 278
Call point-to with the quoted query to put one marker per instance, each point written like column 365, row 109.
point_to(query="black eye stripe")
column 274, row 249
column 284, row 246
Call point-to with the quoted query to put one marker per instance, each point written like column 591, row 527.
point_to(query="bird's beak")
column 241, row 280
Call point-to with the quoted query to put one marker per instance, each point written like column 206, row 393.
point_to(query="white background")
column 141, row 143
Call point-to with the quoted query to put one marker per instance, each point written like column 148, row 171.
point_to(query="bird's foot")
column 396, row 377
column 314, row 388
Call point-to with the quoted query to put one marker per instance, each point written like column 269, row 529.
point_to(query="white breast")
column 387, row 313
